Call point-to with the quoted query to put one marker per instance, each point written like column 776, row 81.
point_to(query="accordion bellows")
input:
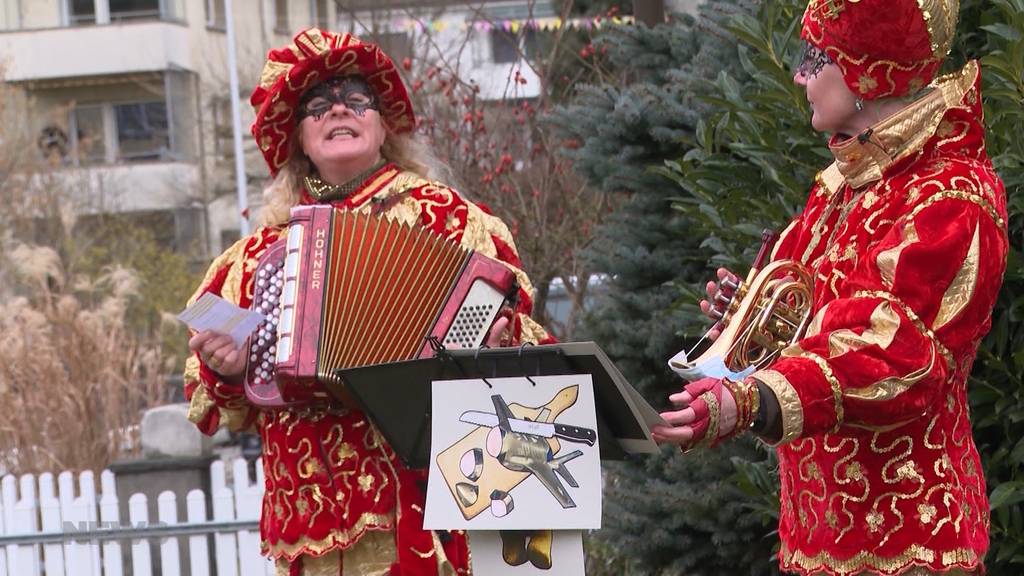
column 347, row 289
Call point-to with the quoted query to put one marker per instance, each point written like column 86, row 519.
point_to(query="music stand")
column 397, row 396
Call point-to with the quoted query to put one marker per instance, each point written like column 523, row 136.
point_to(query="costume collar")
column 864, row 158
column 357, row 190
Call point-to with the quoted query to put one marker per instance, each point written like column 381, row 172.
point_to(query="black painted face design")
column 812, row 60
column 352, row 91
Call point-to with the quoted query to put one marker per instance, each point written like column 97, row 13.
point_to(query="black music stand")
column 397, row 396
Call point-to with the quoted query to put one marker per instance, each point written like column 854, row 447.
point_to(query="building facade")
column 129, row 99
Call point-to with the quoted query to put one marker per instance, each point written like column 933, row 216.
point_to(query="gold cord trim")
column 961, row 195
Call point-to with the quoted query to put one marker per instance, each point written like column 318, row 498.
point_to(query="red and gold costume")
column 905, row 235
column 338, row 500
column 330, row 476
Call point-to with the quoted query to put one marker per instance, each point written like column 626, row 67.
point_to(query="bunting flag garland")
column 510, row 25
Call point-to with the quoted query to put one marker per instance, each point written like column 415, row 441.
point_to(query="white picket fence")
column 46, row 528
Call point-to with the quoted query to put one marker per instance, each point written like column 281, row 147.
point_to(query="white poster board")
column 536, row 468
column 527, row 552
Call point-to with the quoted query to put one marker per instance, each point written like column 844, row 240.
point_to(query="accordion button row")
column 263, row 348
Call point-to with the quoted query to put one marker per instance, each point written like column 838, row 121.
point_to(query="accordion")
column 346, row 289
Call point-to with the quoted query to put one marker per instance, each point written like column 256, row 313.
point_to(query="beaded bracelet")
column 748, row 402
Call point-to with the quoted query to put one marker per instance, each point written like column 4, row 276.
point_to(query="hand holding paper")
column 216, row 314
column 223, row 329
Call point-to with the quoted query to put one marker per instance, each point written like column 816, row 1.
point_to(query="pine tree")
column 668, row 514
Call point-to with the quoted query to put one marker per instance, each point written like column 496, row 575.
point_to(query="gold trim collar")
column 322, row 191
column 864, row 159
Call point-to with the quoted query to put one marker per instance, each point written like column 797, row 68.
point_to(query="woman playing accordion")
column 334, row 123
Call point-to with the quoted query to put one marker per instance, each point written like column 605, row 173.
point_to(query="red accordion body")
column 347, row 289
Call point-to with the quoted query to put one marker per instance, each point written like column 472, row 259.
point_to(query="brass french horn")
column 765, row 313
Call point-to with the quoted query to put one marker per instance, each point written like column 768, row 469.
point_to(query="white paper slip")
column 212, row 312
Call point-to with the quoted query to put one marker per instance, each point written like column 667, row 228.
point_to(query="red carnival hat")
column 883, row 47
column 313, row 56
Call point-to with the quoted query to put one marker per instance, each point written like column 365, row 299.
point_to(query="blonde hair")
column 285, row 191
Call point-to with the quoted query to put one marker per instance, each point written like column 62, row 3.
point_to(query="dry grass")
column 74, row 380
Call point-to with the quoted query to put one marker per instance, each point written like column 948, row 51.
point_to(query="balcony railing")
column 15, row 15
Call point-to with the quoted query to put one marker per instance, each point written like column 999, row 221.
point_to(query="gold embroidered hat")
column 883, row 47
column 313, row 56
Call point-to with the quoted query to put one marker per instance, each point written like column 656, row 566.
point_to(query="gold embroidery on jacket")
column 807, row 470
column 334, row 539
column 306, row 466
column 316, row 496
column 819, row 227
column 896, row 470
column 480, row 227
column 867, row 561
column 874, row 221
column 851, row 473
column 961, row 195
column 831, row 178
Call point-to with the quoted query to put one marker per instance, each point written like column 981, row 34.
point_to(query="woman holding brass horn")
column 334, row 123
column 904, row 241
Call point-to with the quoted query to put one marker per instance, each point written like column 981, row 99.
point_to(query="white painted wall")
column 95, row 50
column 39, row 13
column 9, row 15
column 131, row 187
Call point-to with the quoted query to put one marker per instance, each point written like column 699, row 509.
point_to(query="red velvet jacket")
column 330, row 477
column 906, row 238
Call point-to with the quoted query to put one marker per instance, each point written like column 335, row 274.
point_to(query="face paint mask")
column 812, row 60
column 352, row 91
column 713, row 367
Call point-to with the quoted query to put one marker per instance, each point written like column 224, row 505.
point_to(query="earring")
column 859, row 104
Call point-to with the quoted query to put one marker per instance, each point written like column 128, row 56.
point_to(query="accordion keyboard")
column 263, row 342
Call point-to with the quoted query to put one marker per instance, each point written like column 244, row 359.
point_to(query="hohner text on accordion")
column 319, row 243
